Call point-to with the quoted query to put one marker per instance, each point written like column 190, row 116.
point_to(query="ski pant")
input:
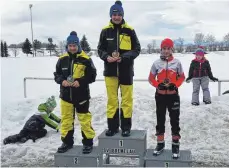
column 204, row 83
column 113, row 110
column 67, row 122
column 25, row 135
column 172, row 102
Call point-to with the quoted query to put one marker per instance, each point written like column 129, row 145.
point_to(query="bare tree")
column 36, row 46
column 51, row 47
column 179, row 44
column 154, row 44
column 14, row 49
column 220, row 46
column 149, row 48
column 190, row 48
column 199, row 39
column 210, row 41
column 226, row 41
column 62, row 46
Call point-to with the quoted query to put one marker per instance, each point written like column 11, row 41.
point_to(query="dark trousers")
column 172, row 103
column 25, row 135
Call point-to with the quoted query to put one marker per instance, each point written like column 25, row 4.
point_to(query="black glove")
column 172, row 87
column 188, row 79
column 162, row 86
column 214, row 79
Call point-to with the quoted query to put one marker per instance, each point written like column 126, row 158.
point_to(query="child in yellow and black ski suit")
column 74, row 72
column 118, row 47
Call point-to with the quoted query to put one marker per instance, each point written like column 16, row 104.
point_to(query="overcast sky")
column 150, row 19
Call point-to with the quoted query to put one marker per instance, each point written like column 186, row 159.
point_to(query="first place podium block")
column 165, row 159
column 75, row 158
column 133, row 146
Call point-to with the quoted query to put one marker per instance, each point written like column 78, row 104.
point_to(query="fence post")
column 219, row 88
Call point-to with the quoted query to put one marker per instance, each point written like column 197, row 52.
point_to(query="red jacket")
column 170, row 69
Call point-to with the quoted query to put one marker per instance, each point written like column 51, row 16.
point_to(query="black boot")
column 175, row 149
column 126, row 133
column 87, row 149
column 111, row 132
column 6, row 141
column 64, row 148
column 195, row 104
column 207, row 102
column 159, row 148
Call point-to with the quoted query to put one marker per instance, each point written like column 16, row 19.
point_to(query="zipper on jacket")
column 117, row 50
column 166, row 72
column 71, row 73
column 200, row 69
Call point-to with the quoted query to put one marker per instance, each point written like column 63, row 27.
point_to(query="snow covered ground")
column 204, row 129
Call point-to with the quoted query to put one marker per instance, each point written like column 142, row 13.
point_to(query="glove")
column 188, row 79
column 214, row 79
column 172, row 87
column 162, row 86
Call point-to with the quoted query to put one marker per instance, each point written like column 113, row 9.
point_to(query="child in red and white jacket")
column 166, row 76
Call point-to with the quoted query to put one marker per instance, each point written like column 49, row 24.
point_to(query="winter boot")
column 175, row 147
column 126, row 133
column 111, row 132
column 87, row 149
column 160, row 145
column 64, row 148
column 207, row 102
column 195, row 104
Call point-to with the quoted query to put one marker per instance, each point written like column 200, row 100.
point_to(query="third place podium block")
column 133, row 146
column 165, row 159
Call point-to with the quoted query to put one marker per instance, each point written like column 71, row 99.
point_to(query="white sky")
column 151, row 19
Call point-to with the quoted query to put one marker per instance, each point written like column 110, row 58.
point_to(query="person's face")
column 72, row 48
column 199, row 57
column 166, row 51
column 116, row 18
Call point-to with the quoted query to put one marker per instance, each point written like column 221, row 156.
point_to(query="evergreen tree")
column 2, row 49
column 85, row 45
column 5, row 49
column 26, row 48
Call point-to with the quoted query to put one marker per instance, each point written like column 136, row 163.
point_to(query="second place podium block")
column 75, row 158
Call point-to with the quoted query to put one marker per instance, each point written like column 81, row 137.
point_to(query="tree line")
column 208, row 41
column 39, row 47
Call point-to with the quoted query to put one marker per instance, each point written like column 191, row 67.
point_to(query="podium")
column 165, row 159
column 133, row 146
column 75, row 158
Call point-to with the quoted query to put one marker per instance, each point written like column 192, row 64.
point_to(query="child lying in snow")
column 34, row 128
